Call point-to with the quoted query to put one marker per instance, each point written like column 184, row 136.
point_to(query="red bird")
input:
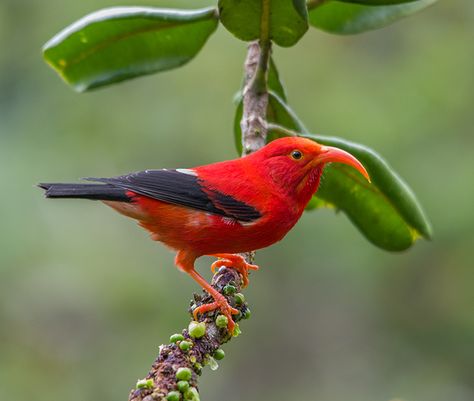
column 219, row 209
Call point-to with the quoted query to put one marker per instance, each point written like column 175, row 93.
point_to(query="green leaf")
column 115, row 44
column 237, row 130
column 274, row 83
column 279, row 113
column 288, row 19
column 345, row 18
column 385, row 211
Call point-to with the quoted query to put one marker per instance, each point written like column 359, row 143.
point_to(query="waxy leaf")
column 386, row 211
column 116, row 44
column 273, row 80
column 279, row 113
column 287, row 20
column 346, row 18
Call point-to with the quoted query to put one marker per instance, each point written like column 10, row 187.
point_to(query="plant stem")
column 255, row 98
column 161, row 379
column 255, row 93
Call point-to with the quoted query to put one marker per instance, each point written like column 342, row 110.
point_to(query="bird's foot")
column 220, row 302
column 235, row 262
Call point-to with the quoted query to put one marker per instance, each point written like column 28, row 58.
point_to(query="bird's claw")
column 220, row 302
column 238, row 263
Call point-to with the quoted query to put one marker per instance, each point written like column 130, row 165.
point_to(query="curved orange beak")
column 330, row 154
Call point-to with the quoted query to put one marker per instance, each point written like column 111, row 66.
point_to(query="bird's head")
column 296, row 164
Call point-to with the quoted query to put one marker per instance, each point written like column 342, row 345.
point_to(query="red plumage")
column 222, row 208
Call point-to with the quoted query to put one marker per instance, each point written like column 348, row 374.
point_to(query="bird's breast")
column 204, row 233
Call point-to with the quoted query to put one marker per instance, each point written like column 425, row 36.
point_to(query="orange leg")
column 236, row 262
column 186, row 263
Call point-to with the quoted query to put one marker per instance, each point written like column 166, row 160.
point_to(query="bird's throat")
column 309, row 185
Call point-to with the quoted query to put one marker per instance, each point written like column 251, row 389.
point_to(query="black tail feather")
column 85, row 191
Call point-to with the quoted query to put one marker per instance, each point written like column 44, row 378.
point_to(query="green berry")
column 221, row 321
column 176, row 337
column 229, row 289
column 184, row 374
column 247, row 314
column 237, row 332
column 185, row 345
column 192, row 359
column 183, row 386
column 173, row 396
column 239, row 298
column 198, row 368
column 197, row 329
column 192, row 394
column 219, row 354
column 144, row 383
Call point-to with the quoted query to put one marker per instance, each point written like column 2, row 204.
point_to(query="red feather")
column 222, row 208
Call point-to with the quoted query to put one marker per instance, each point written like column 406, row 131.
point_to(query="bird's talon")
column 237, row 263
column 223, row 306
column 252, row 267
column 204, row 308
column 219, row 263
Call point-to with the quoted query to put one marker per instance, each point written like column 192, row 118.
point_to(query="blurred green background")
column 86, row 298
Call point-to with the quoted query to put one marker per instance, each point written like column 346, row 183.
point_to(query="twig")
column 255, row 100
column 255, row 93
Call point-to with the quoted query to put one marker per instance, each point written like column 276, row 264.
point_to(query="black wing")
column 183, row 187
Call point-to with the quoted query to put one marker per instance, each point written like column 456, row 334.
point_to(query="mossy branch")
column 182, row 360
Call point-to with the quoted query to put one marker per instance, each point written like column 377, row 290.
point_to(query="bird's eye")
column 296, row 155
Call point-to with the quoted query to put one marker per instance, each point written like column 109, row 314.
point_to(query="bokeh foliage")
column 85, row 297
